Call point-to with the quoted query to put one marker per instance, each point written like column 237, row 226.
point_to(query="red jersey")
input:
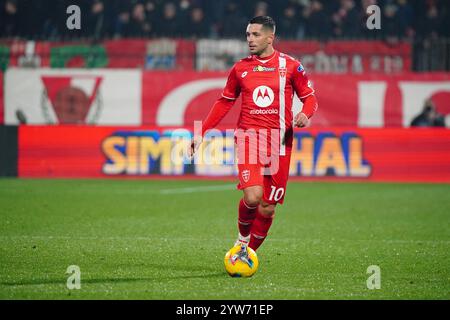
column 267, row 87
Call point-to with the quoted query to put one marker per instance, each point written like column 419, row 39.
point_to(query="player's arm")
column 309, row 107
column 304, row 90
column 219, row 110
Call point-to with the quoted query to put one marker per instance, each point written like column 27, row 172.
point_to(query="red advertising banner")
column 180, row 98
column 342, row 153
column 332, row 57
column 350, row 57
column 160, row 54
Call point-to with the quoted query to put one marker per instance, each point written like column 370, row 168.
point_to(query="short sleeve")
column 300, row 82
column 232, row 89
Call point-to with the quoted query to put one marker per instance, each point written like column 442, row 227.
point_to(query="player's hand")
column 195, row 144
column 301, row 120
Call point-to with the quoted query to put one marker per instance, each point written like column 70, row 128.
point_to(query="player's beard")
column 260, row 52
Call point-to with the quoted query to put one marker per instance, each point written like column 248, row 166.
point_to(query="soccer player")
column 267, row 81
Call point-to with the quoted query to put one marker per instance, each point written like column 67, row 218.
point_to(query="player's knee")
column 252, row 198
column 267, row 209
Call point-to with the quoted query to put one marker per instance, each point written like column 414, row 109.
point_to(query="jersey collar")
column 266, row 59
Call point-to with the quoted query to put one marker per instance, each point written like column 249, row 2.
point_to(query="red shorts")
column 271, row 176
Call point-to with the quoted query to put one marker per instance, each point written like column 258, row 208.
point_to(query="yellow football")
column 241, row 261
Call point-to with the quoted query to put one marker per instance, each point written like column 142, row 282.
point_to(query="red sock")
column 259, row 231
column 245, row 219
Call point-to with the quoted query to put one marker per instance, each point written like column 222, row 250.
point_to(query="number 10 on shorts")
column 276, row 194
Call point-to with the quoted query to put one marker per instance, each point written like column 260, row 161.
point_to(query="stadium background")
column 162, row 65
column 104, row 101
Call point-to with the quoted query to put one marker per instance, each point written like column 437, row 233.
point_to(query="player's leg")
column 273, row 193
column 251, row 183
column 261, row 224
column 248, row 206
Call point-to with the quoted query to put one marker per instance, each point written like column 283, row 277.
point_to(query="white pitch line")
column 199, row 189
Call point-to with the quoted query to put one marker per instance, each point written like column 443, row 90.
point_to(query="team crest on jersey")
column 246, row 175
column 300, row 68
column 282, row 71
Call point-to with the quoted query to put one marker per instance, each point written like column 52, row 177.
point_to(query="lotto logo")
column 263, row 96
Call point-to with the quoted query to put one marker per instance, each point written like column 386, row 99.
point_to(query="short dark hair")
column 266, row 21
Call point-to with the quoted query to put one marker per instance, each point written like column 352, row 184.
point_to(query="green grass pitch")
column 149, row 239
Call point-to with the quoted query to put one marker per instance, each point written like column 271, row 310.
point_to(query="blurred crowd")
column 296, row 19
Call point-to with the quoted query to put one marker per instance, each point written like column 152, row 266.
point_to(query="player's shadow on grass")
column 112, row 279
column 190, row 272
column 164, row 268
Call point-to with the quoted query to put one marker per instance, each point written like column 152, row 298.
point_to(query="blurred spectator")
column 296, row 19
column 151, row 10
column 429, row 117
column 9, row 18
column 390, row 27
column 139, row 25
column 96, row 23
column 405, row 16
column 317, row 23
column 197, row 26
column 233, row 22
column 184, row 10
column 169, row 25
column 288, row 26
column 123, row 24
column 261, row 9
column 432, row 20
column 346, row 20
